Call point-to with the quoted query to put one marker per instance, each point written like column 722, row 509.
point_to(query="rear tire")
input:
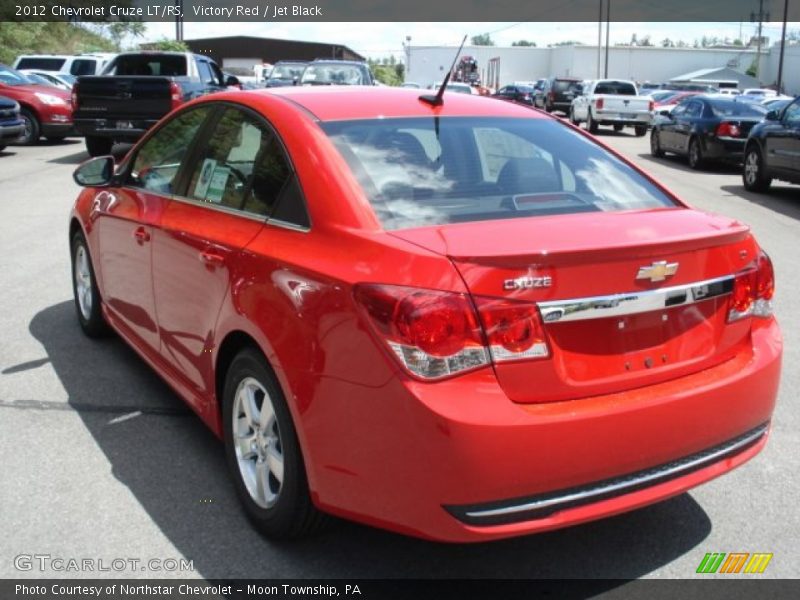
column 84, row 289
column 263, row 452
column 655, row 144
column 99, row 146
column 2, row 147
column 618, row 128
column 572, row 118
column 591, row 124
column 754, row 175
column 695, row 157
column 640, row 131
column 33, row 129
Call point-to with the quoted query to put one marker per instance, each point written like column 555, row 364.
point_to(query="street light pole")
column 783, row 45
column 599, row 37
column 608, row 26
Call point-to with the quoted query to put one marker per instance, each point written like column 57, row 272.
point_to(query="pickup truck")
column 135, row 90
column 612, row 102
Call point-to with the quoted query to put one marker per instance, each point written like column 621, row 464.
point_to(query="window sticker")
column 216, row 187
column 206, row 173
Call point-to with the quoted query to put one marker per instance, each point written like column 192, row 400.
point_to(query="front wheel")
column 655, row 144
column 591, row 124
column 85, row 291
column 640, row 131
column 32, row 131
column 572, row 118
column 263, row 452
column 754, row 174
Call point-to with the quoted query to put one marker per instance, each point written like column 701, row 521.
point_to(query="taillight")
column 513, row 330
column 175, row 94
column 651, row 106
column 599, row 103
column 552, row 96
column 435, row 334
column 75, row 96
column 726, row 129
column 753, row 289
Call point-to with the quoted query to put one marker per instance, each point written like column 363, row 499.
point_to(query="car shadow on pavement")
column 783, row 199
column 175, row 469
column 118, row 152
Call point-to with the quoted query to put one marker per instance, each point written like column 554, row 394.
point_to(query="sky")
column 377, row 40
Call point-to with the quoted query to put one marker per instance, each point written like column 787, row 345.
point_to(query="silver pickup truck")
column 611, row 102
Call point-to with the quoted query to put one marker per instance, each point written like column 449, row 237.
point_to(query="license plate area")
column 124, row 125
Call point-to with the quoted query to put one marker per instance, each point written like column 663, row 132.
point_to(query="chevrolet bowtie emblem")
column 658, row 271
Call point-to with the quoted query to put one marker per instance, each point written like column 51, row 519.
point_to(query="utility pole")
column 599, row 37
column 783, row 44
column 179, row 21
column 760, row 17
column 608, row 25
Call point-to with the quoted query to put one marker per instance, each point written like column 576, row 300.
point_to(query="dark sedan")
column 773, row 149
column 11, row 125
column 521, row 94
column 704, row 128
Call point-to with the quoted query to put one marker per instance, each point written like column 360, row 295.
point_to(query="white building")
column 426, row 64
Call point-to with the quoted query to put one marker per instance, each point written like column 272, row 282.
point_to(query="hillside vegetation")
column 48, row 38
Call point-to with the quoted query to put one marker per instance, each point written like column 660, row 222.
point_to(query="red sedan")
column 460, row 321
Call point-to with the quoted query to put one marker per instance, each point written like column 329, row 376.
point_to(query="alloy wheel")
column 83, row 282
column 751, row 168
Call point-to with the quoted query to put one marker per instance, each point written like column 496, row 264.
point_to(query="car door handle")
column 211, row 258
column 141, row 235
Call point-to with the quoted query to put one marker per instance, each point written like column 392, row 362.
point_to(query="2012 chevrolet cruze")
column 463, row 320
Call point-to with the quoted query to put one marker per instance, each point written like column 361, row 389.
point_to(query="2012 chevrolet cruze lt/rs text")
column 460, row 321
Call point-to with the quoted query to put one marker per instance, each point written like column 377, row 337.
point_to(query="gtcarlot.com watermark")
column 45, row 563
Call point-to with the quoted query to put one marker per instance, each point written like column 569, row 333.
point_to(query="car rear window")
column 618, row 88
column 45, row 64
column 333, row 74
column 165, row 65
column 83, row 66
column 734, row 108
column 425, row 171
column 562, row 85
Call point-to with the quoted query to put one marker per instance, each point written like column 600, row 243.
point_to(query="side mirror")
column 231, row 81
column 665, row 113
column 773, row 115
column 95, row 172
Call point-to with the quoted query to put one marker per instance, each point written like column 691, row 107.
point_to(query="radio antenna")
column 437, row 99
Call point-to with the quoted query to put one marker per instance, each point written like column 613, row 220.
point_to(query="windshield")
column 424, row 171
column 732, row 108
column 287, row 71
column 333, row 74
column 619, row 88
column 12, row 77
column 166, row 65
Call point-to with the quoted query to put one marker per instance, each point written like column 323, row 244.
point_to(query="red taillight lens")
column 599, row 103
column 726, row 129
column 175, row 94
column 433, row 334
column 75, row 96
column 552, row 96
column 513, row 329
column 753, row 289
column 651, row 106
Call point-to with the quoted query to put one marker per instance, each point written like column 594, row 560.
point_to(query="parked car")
column 612, row 102
column 355, row 289
column 648, row 88
column 772, row 150
column 337, row 72
column 285, row 72
column 411, row 84
column 135, row 90
column 666, row 103
column 454, row 86
column 11, row 124
column 730, row 91
column 45, row 110
column 705, row 128
column 763, row 92
column 521, row 94
column 557, row 94
column 80, row 64
column 65, row 81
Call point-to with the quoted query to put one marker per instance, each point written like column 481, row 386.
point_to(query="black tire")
column 2, row 147
column 756, row 180
column 655, row 144
column 572, row 118
column 99, row 146
column 695, row 155
column 91, row 320
column 591, row 124
column 618, row 127
column 640, row 131
column 33, row 128
column 290, row 514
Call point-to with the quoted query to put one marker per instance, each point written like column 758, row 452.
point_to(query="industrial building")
column 504, row 65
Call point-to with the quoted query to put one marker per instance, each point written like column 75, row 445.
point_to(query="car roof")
column 334, row 103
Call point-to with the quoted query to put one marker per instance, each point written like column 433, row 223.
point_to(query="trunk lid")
column 125, row 97
column 608, row 330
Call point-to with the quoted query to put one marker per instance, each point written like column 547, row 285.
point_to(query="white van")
column 81, row 64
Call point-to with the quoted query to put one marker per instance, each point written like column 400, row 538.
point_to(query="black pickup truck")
column 135, row 90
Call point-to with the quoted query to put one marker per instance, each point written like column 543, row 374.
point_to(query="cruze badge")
column 527, row 283
column 658, row 271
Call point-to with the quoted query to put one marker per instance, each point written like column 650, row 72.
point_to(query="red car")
column 45, row 110
column 461, row 321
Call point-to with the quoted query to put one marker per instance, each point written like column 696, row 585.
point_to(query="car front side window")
column 791, row 116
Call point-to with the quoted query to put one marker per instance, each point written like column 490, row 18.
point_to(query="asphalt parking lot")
column 102, row 460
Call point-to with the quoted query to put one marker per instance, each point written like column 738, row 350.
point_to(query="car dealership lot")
column 101, row 460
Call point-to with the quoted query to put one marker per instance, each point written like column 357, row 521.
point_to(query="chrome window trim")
column 614, row 305
column 636, row 482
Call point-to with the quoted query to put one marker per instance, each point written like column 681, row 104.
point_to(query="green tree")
column 48, row 38
column 667, row 43
column 524, row 43
column 484, row 39
column 120, row 30
column 166, row 45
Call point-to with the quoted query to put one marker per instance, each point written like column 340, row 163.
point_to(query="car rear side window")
column 619, row 88
column 165, row 65
column 83, row 66
column 792, row 116
column 423, row 171
column 158, row 161
column 45, row 64
column 735, row 108
column 243, row 166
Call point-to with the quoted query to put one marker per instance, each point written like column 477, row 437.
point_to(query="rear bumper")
column 59, row 130
column 615, row 118
column 440, row 451
column 725, row 148
column 108, row 128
